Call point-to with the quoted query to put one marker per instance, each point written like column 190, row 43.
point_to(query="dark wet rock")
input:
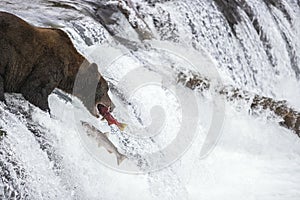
column 229, row 9
column 64, row 5
column 109, row 15
column 280, row 6
column 154, row 2
column 165, row 27
column 193, row 81
column 2, row 133
column 141, row 27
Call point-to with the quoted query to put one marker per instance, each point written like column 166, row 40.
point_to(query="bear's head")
column 92, row 89
column 101, row 97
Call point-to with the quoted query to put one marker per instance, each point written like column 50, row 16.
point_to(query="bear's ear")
column 93, row 71
column 93, row 68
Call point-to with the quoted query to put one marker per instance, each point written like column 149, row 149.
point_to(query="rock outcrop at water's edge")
column 290, row 117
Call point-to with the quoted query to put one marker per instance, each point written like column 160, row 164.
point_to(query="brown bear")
column 34, row 61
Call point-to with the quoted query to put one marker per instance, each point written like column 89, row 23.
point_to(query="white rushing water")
column 47, row 156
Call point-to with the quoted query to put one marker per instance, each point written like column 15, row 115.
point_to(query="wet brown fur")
column 34, row 61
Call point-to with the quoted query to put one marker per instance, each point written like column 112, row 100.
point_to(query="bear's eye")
column 106, row 87
column 104, row 84
column 101, row 89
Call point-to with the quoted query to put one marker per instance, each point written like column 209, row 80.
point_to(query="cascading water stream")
column 254, row 45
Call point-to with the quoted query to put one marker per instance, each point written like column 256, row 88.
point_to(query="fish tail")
column 120, row 158
column 122, row 126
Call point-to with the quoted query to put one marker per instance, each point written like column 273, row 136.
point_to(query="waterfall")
column 140, row 47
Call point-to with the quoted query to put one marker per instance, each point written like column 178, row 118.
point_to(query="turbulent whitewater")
column 140, row 47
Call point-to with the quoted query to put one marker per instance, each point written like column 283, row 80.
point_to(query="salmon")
column 102, row 139
column 104, row 111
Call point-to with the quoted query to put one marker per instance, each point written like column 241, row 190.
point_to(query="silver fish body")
column 102, row 139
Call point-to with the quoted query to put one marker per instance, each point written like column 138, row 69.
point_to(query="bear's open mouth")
column 102, row 109
column 105, row 112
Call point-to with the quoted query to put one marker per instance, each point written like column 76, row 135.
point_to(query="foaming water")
column 257, row 49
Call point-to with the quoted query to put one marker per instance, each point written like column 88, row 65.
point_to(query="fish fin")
column 122, row 126
column 120, row 158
